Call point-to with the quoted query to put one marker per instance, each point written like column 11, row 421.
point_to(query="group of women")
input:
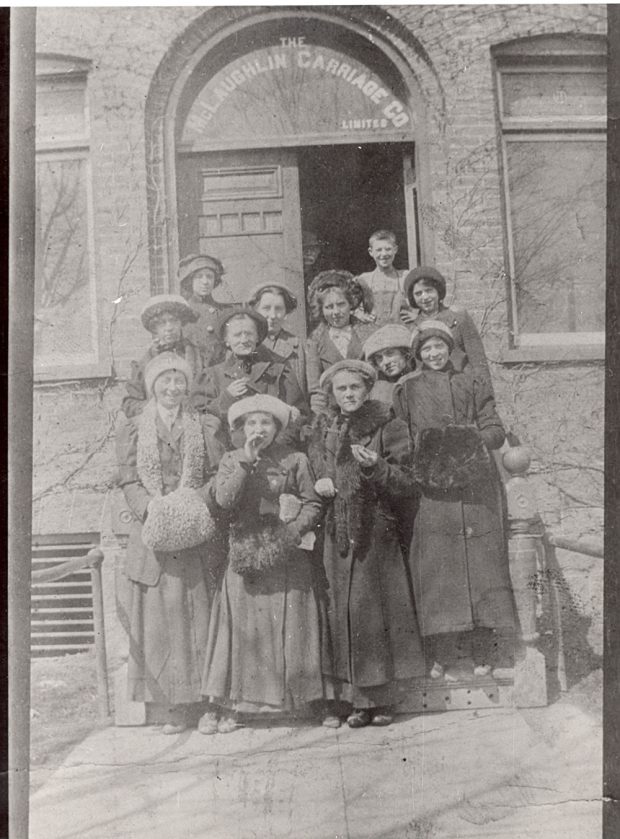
column 315, row 526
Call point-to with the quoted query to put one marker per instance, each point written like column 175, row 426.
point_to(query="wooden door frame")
column 213, row 27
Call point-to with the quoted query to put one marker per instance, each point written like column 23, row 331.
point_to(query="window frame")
column 72, row 147
column 541, row 55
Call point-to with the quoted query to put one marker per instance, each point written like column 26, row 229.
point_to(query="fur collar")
column 371, row 416
column 149, row 461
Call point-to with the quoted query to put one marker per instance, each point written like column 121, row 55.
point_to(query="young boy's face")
column 435, row 353
column 391, row 361
column 383, row 252
column 166, row 329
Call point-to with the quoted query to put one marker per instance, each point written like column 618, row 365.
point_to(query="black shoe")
column 359, row 718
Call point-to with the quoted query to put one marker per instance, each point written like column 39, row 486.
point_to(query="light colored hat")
column 431, row 329
column 194, row 262
column 173, row 303
column 260, row 402
column 390, row 335
column 367, row 371
column 161, row 364
column 290, row 301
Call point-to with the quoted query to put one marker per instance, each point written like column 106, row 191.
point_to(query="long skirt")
column 264, row 649
column 168, row 633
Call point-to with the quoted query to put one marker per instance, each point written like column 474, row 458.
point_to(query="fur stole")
column 148, row 459
column 258, row 546
column 350, row 520
column 450, row 458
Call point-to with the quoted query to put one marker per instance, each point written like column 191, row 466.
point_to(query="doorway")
column 249, row 208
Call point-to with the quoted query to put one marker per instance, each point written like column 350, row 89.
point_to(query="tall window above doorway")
column 66, row 331
column 552, row 110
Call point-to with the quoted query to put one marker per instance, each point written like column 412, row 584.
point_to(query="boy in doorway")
column 386, row 281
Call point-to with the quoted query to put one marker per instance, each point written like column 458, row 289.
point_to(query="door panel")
column 243, row 207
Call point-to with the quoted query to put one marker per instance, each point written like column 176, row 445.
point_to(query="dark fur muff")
column 258, row 546
column 450, row 458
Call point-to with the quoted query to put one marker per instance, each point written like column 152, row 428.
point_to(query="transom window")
column 552, row 110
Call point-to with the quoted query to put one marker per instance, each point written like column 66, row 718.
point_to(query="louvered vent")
column 61, row 612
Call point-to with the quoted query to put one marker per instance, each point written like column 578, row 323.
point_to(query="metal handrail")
column 93, row 561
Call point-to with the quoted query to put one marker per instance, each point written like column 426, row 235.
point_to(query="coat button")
column 210, row 329
column 469, row 531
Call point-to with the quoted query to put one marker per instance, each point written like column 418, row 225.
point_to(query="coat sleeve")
column 473, row 346
column 313, row 364
column 126, row 441
column 135, row 399
column 487, row 419
column 230, row 480
column 312, row 507
column 207, row 396
column 391, row 475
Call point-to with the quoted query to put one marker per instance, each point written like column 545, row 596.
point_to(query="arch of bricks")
column 374, row 20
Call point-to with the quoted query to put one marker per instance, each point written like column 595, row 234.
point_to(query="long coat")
column 458, row 557
column 289, row 347
column 264, row 649
column 171, row 592
column 203, row 333
column 373, row 626
column 135, row 400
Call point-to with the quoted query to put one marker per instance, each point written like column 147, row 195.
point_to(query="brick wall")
column 556, row 409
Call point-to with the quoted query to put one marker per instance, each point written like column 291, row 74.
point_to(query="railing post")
column 530, row 677
column 103, row 695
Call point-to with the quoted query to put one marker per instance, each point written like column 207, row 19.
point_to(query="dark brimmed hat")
column 431, row 329
column 352, row 365
column 290, row 301
column 390, row 335
column 428, row 273
column 261, row 322
column 173, row 303
column 194, row 262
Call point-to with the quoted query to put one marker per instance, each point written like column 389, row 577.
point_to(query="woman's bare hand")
column 237, row 388
column 325, row 488
column 364, row 456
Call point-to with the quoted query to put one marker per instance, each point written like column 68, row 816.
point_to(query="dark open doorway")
column 347, row 192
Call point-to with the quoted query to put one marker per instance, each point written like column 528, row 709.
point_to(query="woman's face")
column 241, row 336
column 203, row 282
column 166, row 329
column 336, row 308
column 350, row 391
column 392, row 362
column 435, row 353
column 169, row 388
column 260, row 425
column 272, row 307
column 426, row 297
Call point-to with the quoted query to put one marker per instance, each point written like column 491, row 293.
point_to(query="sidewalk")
column 523, row 774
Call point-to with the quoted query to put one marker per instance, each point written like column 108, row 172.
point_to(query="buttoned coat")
column 458, row 557
column 321, row 352
column 203, row 333
column 290, row 347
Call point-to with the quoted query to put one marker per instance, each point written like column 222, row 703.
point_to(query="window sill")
column 566, row 353
column 71, row 373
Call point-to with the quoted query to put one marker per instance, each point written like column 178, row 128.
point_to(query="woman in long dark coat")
column 362, row 459
column 167, row 447
column 264, row 651
column 458, row 557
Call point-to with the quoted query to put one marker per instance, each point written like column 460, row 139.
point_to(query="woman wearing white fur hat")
column 264, row 651
column 166, row 457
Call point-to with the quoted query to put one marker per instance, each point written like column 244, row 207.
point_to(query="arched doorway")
column 288, row 126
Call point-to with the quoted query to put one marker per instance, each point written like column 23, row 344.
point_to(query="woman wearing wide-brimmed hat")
column 264, row 651
column 362, row 459
column 198, row 276
column 249, row 368
column 166, row 457
column 425, row 290
column 458, row 558
column 165, row 316
column 274, row 301
column 389, row 351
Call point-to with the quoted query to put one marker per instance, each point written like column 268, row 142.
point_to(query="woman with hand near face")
column 425, row 290
column 362, row 459
column 264, row 651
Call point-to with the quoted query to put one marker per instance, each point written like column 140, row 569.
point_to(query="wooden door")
column 243, row 207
